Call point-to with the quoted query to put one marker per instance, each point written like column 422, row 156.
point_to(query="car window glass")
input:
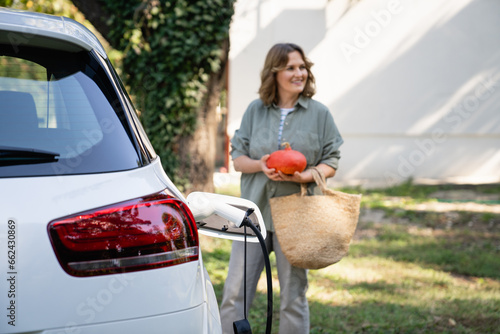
column 64, row 108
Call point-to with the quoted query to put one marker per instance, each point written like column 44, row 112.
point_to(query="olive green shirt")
column 309, row 129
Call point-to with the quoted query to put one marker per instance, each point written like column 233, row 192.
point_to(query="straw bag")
column 315, row 231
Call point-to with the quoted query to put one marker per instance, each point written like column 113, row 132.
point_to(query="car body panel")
column 179, row 322
column 32, row 202
column 24, row 26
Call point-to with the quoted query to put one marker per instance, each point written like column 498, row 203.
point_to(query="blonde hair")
column 276, row 60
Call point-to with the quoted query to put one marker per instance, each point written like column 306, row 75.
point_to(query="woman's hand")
column 304, row 177
column 245, row 164
column 270, row 172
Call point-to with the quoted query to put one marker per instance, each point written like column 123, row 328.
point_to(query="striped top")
column 284, row 113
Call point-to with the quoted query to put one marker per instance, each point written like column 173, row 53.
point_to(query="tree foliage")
column 171, row 50
column 55, row 7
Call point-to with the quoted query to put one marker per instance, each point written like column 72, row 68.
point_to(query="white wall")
column 413, row 85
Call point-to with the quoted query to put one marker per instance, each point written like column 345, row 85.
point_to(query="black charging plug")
column 242, row 327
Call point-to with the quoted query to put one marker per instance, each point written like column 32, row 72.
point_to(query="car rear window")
column 60, row 115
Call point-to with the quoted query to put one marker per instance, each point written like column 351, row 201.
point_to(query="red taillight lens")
column 152, row 232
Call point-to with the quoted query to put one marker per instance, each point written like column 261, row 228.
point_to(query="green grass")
column 419, row 191
column 411, row 272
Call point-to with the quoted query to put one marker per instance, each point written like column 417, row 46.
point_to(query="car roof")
column 19, row 27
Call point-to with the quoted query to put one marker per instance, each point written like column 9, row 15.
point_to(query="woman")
column 285, row 112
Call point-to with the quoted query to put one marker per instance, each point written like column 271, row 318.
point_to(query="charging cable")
column 243, row 326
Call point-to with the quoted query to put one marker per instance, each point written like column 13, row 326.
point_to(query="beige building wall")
column 413, row 85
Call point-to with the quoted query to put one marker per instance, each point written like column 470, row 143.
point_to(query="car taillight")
column 151, row 232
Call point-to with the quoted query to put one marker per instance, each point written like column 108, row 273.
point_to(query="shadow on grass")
column 373, row 307
column 378, row 317
column 388, row 307
column 470, row 259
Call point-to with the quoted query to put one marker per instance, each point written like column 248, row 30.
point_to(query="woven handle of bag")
column 319, row 178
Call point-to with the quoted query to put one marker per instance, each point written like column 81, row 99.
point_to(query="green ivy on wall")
column 170, row 49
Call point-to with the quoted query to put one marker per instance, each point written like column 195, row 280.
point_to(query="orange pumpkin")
column 287, row 160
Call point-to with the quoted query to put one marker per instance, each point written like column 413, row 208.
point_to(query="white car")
column 94, row 236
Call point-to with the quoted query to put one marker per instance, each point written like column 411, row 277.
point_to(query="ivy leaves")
column 171, row 48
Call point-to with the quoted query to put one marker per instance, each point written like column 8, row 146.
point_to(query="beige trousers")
column 294, row 309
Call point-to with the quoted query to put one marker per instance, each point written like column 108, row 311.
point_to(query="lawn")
column 419, row 263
